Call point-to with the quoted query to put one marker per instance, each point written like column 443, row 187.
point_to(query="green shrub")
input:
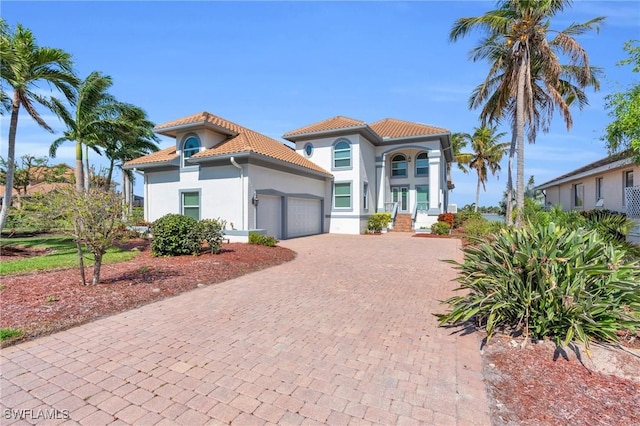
column 462, row 216
column 175, row 234
column 262, row 240
column 548, row 282
column 377, row 221
column 440, row 228
column 212, row 231
column 477, row 227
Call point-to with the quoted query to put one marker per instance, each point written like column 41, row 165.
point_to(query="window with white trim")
column 342, row 155
column 191, row 204
column 365, row 196
column 190, row 146
column 342, row 195
column 422, row 164
column 599, row 188
column 399, row 166
column 578, row 195
column 627, row 182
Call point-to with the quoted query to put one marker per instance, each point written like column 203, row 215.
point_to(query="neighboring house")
column 612, row 183
column 39, row 180
column 341, row 171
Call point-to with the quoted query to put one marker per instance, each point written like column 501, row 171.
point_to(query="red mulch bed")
column 528, row 387
column 46, row 302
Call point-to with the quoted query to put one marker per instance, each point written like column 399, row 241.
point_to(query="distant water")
column 495, row 217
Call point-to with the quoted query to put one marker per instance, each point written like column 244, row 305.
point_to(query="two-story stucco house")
column 341, row 171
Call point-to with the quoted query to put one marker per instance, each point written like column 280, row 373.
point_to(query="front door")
column 400, row 195
column 422, row 197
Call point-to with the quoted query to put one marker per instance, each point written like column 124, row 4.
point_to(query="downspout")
column 233, row 162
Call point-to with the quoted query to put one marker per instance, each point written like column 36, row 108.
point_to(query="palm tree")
column 24, row 64
column 487, row 154
column 528, row 69
column 96, row 113
column 458, row 142
column 137, row 140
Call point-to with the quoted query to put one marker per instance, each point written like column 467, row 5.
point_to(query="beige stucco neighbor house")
column 339, row 173
column 612, row 183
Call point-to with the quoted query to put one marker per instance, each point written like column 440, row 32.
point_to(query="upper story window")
column 342, row 155
column 189, row 147
column 422, row 164
column 399, row 166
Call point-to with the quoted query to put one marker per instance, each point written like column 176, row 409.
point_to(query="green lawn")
column 63, row 254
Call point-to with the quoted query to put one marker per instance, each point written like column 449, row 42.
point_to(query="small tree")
column 624, row 107
column 94, row 218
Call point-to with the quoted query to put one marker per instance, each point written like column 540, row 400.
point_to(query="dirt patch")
column 15, row 252
column 539, row 385
column 46, row 302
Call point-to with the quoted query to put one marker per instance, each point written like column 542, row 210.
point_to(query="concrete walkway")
column 344, row 334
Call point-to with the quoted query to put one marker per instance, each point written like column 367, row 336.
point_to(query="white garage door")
column 270, row 215
column 304, row 217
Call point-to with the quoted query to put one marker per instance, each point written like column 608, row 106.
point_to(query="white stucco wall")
column 223, row 194
column 262, row 178
column 217, row 195
column 344, row 221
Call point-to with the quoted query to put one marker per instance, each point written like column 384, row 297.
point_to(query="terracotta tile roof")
column 162, row 156
column 46, row 187
column 394, row 128
column 334, row 123
column 243, row 140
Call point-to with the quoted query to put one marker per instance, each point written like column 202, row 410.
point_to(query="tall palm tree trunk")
column 107, row 183
column 512, row 153
column 520, row 138
column 477, row 195
column 79, row 172
column 86, row 168
column 11, row 162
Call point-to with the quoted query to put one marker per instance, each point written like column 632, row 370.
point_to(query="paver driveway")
column 344, row 334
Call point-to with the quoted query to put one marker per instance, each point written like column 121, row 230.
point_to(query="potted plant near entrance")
column 377, row 222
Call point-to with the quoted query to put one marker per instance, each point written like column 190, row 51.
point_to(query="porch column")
column 434, row 182
column 381, row 181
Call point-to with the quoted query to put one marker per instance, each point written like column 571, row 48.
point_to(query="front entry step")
column 403, row 223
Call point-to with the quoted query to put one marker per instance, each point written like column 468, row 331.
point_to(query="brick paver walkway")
column 344, row 334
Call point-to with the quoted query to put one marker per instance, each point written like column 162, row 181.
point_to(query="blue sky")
column 276, row 66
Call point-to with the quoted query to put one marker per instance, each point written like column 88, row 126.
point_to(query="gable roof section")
column 338, row 122
column 620, row 159
column 160, row 157
column 240, row 140
column 393, row 128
